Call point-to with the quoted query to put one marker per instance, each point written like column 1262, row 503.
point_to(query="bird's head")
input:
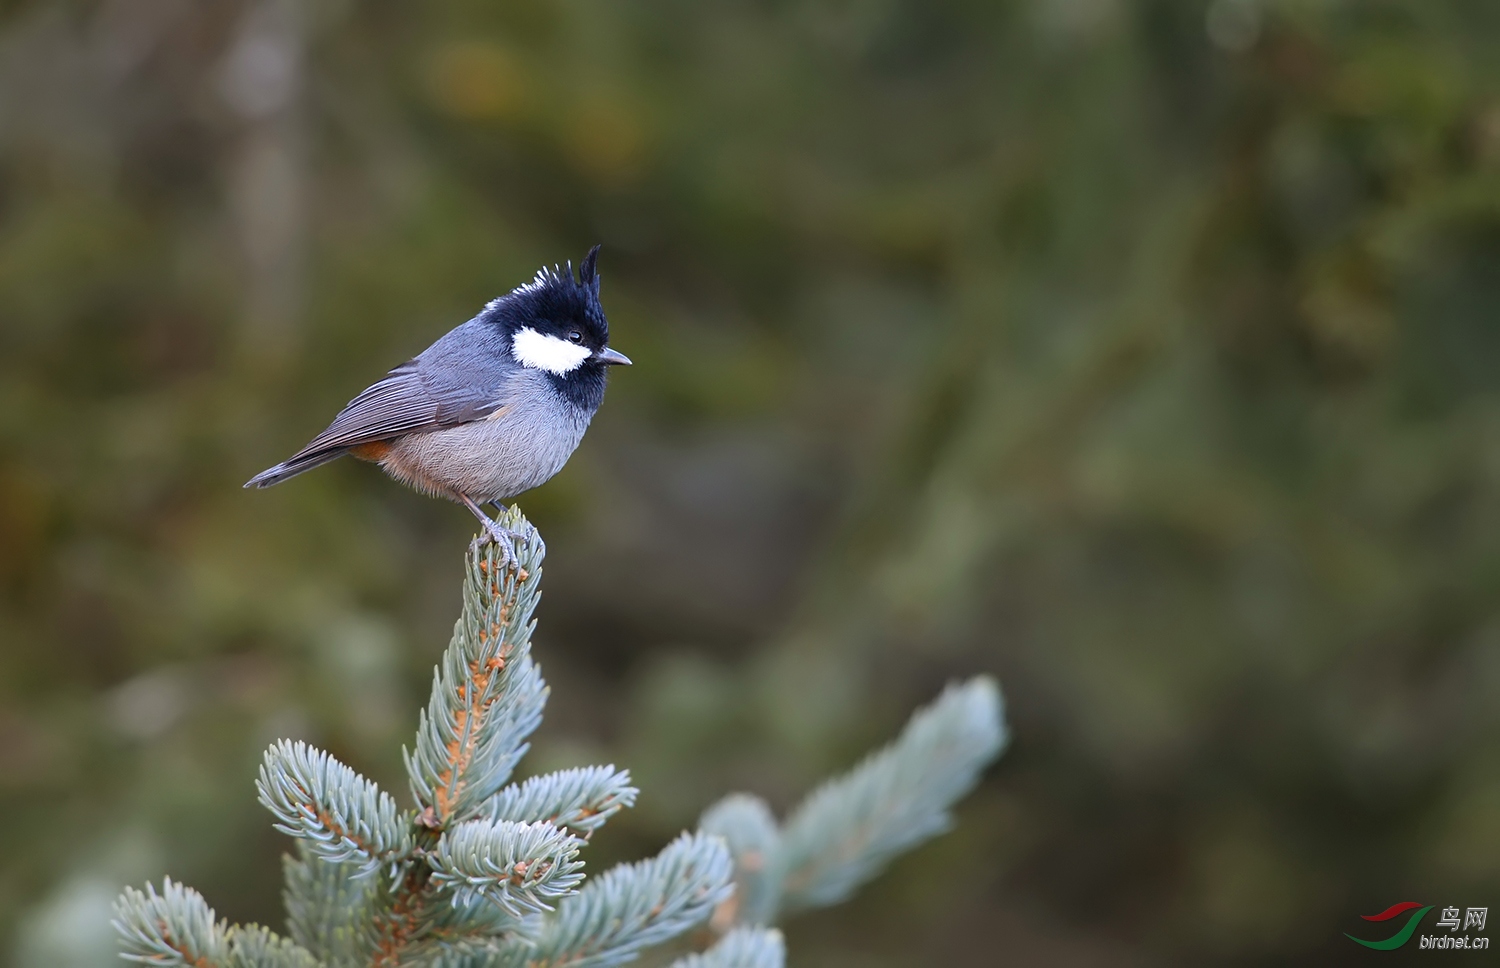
column 555, row 323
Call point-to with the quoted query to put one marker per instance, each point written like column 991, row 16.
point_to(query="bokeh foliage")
column 1143, row 353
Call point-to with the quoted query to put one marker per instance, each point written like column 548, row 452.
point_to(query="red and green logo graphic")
column 1400, row 937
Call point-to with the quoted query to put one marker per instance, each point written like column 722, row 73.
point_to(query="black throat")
column 583, row 388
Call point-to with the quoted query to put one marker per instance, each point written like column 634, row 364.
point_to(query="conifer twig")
column 744, row 947
column 487, row 693
column 341, row 815
column 845, row 832
column 252, row 946
column 577, row 800
column 848, row 829
column 329, row 907
column 634, row 906
column 517, row 866
column 749, row 830
column 175, row 927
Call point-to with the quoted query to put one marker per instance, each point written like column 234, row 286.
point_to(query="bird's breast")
column 519, row 446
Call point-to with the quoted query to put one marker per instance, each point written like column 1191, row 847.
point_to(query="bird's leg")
column 500, row 509
column 493, row 531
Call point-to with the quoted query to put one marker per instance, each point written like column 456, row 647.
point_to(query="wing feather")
column 405, row 401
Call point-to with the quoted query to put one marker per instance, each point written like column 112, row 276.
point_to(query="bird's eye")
column 575, row 337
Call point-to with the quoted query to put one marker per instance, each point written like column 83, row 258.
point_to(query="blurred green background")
column 1144, row 354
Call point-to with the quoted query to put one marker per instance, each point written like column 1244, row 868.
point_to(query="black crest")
column 588, row 273
column 555, row 300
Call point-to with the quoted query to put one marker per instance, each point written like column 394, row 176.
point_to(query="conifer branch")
column 469, row 953
column 175, row 927
column 341, row 815
column 634, row 906
column 471, row 928
column 475, row 874
column 517, row 866
column 578, row 800
column 487, row 693
column 402, row 918
column 741, row 948
column 329, row 907
column 845, row 832
column 252, row 946
column 749, row 831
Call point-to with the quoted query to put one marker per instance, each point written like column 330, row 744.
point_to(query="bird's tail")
column 296, row 465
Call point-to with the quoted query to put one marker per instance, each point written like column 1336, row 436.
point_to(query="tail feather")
column 291, row 468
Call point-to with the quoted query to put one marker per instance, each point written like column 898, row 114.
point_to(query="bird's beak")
column 608, row 355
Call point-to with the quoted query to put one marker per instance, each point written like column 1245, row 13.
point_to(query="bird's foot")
column 503, row 538
column 495, row 532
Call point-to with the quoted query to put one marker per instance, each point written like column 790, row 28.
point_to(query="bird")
column 494, row 408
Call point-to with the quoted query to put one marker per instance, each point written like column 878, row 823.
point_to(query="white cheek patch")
column 542, row 352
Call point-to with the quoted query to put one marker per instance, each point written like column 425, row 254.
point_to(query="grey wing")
column 406, row 401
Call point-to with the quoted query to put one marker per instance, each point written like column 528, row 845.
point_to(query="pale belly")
column 492, row 459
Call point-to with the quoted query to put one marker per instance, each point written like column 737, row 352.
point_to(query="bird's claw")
column 503, row 538
column 497, row 533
